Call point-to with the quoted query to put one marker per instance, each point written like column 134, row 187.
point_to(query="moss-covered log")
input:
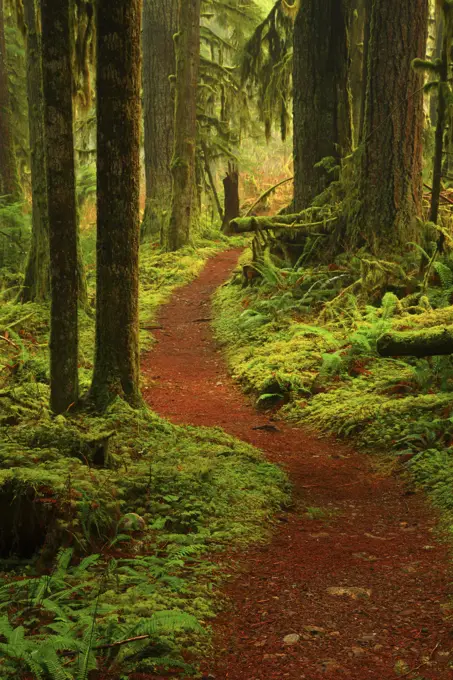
column 426, row 343
column 297, row 222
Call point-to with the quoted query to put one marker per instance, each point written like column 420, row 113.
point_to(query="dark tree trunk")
column 368, row 5
column 185, row 123
column 441, row 123
column 231, row 189
column 357, row 35
column 37, row 275
column 9, row 183
column 390, row 185
column 322, row 112
column 160, row 23
column 57, row 80
column 116, row 366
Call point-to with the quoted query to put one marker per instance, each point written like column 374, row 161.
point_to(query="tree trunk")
column 159, row 26
column 37, row 275
column 322, row 112
column 429, row 342
column 187, row 42
column 390, row 185
column 9, row 182
column 366, row 53
column 231, row 189
column 116, row 366
column 57, row 81
column 357, row 37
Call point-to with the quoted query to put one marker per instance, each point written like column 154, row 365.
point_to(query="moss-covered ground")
column 303, row 339
column 108, row 520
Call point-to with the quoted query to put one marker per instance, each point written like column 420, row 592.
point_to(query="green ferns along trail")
column 353, row 583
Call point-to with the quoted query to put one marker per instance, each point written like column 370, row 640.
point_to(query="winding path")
column 364, row 586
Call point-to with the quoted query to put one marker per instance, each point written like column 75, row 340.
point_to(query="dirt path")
column 374, row 535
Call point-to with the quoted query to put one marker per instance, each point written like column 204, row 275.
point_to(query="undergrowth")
column 315, row 356
column 109, row 522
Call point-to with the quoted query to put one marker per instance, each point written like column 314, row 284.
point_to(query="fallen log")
column 425, row 343
column 320, row 227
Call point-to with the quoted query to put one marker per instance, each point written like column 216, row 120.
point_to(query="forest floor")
column 356, row 579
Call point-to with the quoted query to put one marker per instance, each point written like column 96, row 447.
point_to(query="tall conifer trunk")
column 116, row 368
column 9, row 184
column 58, row 114
column 185, row 122
column 160, row 23
column 357, row 73
column 37, row 276
column 390, row 187
column 322, row 112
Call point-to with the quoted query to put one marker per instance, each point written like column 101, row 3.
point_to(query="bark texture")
column 116, row 366
column 9, row 183
column 357, row 37
column 37, row 274
column 322, row 110
column 58, row 121
column 390, row 186
column 160, row 23
column 231, row 192
column 187, row 42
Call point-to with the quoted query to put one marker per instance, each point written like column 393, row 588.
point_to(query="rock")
column 132, row 522
column 315, row 630
column 358, row 651
column 291, row 639
column 365, row 556
column 330, row 665
column 368, row 638
column 354, row 593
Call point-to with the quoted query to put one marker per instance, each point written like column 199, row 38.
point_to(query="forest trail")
column 353, row 569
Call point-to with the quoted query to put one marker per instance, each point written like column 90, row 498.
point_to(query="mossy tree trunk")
column 187, row 42
column 322, row 110
column 390, row 184
column 368, row 5
column 159, row 26
column 37, row 275
column 116, row 366
column 9, row 182
column 357, row 36
column 59, row 146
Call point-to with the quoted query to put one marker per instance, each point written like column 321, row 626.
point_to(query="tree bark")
column 322, row 111
column 430, row 342
column 231, row 189
column 9, row 182
column 116, row 366
column 390, row 184
column 366, row 53
column 37, row 274
column 187, row 42
column 357, row 38
column 160, row 23
column 58, row 122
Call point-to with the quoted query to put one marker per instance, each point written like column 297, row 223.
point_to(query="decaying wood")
column 430, row 342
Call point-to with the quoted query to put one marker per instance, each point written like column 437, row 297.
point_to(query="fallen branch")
column 10, row 342
column 424, row 663
column 120, row 643
column 266, row 193
column 446, row 198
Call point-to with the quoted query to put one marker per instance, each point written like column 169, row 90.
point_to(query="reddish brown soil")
column 380, row 536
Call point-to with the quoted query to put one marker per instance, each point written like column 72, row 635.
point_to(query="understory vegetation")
column 304, row 339
column 108, row 519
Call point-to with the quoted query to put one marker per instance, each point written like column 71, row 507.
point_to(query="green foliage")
column 326, row 370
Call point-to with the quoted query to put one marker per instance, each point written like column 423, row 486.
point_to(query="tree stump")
column 231, row 188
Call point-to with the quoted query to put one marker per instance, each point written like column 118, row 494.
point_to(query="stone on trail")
column 354, row 593
column 292, row 639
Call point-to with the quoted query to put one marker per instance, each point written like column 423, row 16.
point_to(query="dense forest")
column 226, row 339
